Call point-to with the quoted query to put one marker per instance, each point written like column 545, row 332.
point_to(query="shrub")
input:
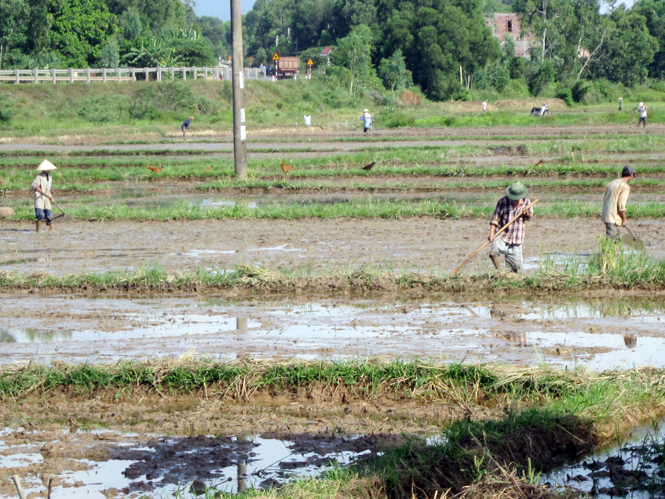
column 206, row 106
column 6, row 109
column 102, row 109
column 566, row 94
column 398, row 120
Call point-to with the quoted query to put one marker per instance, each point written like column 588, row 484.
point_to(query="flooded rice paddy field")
column 599, row 333
column 153, row 445
column 150, row 446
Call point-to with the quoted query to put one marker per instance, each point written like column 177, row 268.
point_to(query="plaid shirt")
column 504, row 213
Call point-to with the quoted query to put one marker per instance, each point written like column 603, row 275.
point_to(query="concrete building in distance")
column 509, row 24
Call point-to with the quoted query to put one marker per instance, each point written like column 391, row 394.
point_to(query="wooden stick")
column 19, row 489
column 495, row 236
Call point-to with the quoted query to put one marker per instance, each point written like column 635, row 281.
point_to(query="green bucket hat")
column 517, row 191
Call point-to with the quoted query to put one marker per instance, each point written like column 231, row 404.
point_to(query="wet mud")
column 310, row 246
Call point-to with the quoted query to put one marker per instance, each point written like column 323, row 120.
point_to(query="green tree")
column 654, row 13
column 130, row 23
column 13, row 26
column 109, row 56
column 79, row 28
column 629, row 50
column 393, row 72
column 354, row 52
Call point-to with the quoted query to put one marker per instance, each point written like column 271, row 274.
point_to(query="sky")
column 220, row 8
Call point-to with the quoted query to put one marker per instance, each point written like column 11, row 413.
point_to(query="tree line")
column 446, row 48
column 442, row 46
column 108, row 33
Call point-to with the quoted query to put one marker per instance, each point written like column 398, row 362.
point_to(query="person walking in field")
column 614, row 204
column 41, row 186
column 484, row 105
column 367, row 120
column 509, row 243
column 185, row 125
column 643, row 114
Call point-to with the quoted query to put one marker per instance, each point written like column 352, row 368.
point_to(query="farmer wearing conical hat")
column 367, row 120
column 43, row 197
column 509, row 242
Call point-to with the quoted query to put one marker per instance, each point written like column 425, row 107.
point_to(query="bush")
column 143, row 111
column 398, row 120
column 566, row 95
column 206, row 106
column 6, row 109
column 226, row 92
column 102, row 109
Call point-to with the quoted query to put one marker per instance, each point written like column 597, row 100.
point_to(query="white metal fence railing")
column 89, row 75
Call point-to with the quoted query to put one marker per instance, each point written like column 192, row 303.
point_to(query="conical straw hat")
column 46, row 166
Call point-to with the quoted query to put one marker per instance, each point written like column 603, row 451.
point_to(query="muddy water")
column 102, row 464
column 634, row 468
column 598, row 333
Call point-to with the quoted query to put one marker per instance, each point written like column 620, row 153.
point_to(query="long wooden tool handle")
column 63, row 211
column 629, row 231
column 495, row 236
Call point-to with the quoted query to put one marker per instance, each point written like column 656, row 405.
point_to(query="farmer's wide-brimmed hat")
column 517, row 191
column 641, row 104
column 366, row 110
column 46, row 166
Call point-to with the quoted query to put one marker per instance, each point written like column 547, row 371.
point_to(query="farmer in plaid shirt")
column 509, row 243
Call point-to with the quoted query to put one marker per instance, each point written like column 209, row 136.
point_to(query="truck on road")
column 288, row 67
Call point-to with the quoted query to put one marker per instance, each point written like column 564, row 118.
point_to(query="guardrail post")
column 36, row 73
column 146, row 74
column 18, row 78
column 194, row 71
column 133, row 74
column 159, row 73
column 87, row 76
column 217, row 73
column 71, row 75
column 104, row 75
column 119, row 74
column 53, row 75
column 172, row 71
column 184, row 73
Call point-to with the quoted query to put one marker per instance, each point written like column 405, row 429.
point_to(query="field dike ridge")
column 540, row 417
column 608, row 269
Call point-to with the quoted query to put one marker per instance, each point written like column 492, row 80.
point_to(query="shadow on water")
column 634, row 468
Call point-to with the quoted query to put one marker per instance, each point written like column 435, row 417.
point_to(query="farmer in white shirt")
column 643, row 114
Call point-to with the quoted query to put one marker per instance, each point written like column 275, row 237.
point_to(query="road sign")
column 275, row 57
column 310, row 62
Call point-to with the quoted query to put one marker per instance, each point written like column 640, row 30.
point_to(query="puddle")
column 598, row 333
column 100, row 464
column 633, row 469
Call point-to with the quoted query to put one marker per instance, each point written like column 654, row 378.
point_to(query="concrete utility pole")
column 239, row 129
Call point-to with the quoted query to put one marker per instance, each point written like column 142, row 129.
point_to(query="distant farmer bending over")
column 41, row 186
column 614, row 204
column 185, row 125
column 509, row 243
